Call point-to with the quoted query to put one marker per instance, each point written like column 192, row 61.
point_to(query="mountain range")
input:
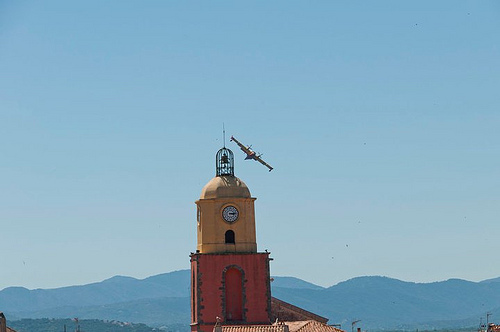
column 162, row 300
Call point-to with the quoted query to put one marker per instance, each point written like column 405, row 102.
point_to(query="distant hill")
column 292, row 282
column 93, row 325
column 114, row 290
column 153, row 312
column 380, row 302
column 491, row 280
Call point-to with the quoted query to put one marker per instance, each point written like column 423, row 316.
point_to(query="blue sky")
column 380, row 118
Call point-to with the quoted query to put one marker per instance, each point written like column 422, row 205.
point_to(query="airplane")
column 251, row 154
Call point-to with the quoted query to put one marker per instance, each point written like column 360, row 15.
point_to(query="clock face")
column 230, row 213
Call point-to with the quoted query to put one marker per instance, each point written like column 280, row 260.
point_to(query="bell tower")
column 230, row 280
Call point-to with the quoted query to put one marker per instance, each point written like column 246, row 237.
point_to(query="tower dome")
column 225, row 186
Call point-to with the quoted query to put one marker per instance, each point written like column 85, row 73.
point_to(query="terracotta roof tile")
column 295, row 326
column 253, row 328
column 310, row 326
column 287, row 312
column 298, row 326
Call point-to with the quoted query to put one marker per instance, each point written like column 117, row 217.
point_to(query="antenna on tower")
column 223, row 134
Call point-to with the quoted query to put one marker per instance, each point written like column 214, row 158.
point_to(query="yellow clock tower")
column 226, row 218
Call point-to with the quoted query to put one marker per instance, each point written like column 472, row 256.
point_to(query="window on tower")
column 230, row 237
column 234, row 294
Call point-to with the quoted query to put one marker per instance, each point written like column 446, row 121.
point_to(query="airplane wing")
column 244, row 148
column 263, row 163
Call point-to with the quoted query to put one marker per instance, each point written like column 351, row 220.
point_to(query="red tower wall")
column 209, row 289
